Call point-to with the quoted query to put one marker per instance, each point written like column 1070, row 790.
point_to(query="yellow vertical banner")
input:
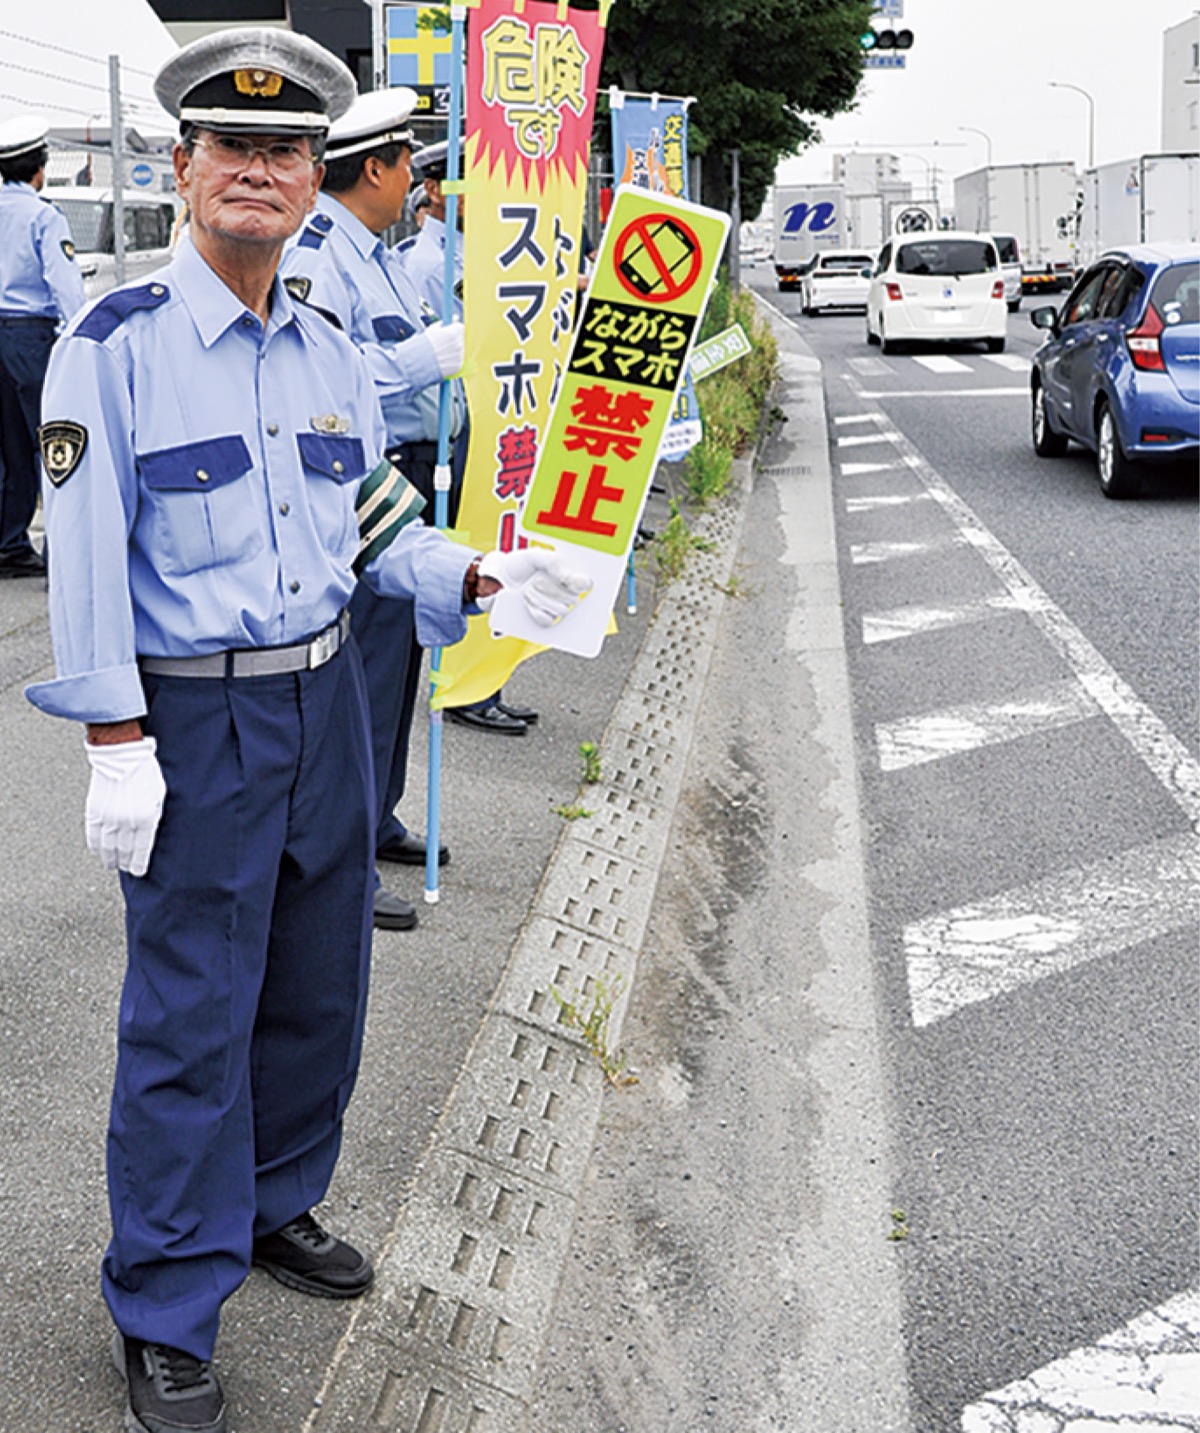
column 532, row 72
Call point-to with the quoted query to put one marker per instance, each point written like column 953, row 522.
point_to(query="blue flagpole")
column 441, row 476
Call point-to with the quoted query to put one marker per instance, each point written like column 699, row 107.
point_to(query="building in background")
column 1181, row 88
column 866, row 172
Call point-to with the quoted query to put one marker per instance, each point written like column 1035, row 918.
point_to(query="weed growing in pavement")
column 899, row 1229
column 675, row 543
column 591, row 762
column 592, row 1024
column 572, row 813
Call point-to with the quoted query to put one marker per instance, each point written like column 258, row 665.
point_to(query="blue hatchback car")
column 1120, row 369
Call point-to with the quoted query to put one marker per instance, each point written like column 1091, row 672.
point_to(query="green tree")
column 760, row 73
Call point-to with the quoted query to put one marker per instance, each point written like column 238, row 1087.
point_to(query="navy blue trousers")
column 242, row 1012
column 25, row 345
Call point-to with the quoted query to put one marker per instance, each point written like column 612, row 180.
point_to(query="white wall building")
column 1181, row 87
column 865, row 172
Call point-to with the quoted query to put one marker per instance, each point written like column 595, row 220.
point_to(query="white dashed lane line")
column 909, row 621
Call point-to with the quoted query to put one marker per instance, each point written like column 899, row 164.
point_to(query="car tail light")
column 1144, row 346
column 893, row 292
column 998, row 289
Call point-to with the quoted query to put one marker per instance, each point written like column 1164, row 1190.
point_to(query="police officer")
column 425, row 261
column 340, row 263
column 215, row 480
column 40, row 287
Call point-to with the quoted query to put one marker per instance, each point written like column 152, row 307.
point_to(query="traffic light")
column 886, row 39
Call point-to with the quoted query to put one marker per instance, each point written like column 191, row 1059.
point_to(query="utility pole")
column 116, row 139
column 735, row 227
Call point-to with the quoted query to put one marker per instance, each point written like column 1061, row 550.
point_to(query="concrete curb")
column 465, row 1287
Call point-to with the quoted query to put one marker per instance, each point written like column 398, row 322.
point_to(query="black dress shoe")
column 409, row 850
column 169, row 1390
column 525, row 714
column 25, row 564
column 304, row 1256
column 392, row 913
column 492, row 718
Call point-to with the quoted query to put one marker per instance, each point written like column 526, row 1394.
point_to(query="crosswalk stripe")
column 858, row 440
column 884, row 500
column 856, row 470
column 965, row 956
column 943, row 393
column 863, row 554
column 911, row 621
column 1012, row 361
column 1144, row 1375
column 941, row 363
column 870, row 367
column 955, row 730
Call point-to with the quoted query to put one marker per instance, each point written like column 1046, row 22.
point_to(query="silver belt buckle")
column 321, row 648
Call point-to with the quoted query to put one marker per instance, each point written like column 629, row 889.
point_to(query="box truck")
column 1033, row 203
column 808, row 218
column 1138, row 201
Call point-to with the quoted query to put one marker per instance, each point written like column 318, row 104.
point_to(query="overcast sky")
column 987, row 64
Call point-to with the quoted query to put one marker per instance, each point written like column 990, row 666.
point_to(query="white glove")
column 447, row 340
column 547, row 584
column 124, row 803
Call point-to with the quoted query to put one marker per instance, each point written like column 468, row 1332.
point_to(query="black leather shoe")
column 409, row 850
column 492, row 718
column 303, row 1256
column 28, row 564
column 169, row 1391
column 525, row 714
column 392, row 913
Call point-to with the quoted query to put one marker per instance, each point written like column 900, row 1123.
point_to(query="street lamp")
column 970, row 129
column 1062, row 85
column 929, row 190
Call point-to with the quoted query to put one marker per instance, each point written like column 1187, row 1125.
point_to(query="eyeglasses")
column 281, row 156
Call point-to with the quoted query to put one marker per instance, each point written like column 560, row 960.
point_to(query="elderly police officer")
column 340, row 264
column 40, row 287
column 213, row 453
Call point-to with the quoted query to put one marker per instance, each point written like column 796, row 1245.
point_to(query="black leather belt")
column 256, row 661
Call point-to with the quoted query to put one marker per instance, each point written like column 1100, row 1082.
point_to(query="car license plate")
column 946, row 316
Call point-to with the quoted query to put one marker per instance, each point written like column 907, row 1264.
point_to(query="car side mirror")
column 1046, row 317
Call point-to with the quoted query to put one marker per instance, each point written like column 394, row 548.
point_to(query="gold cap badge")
column 264, row 84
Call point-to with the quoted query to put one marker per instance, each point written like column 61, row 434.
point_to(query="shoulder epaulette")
column 316, row 231
column 115, row 307
column 405, row 244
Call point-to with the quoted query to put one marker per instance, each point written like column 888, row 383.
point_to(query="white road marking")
column 857, row 440
column 884, row 501
column 875, row 417
column 944, row 393
column 941, row 363
column 862, row 554
column 1169, row 761
column 870, row 367
column 1012, row 361
column 1145, row 1375
column 966, row 956
column 910, row 621
column 955, row 730
column 854, row 470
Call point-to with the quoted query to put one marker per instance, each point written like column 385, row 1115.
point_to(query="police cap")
column 372, row 121
column 23, row 134
column 431, row 162
column 256, row 78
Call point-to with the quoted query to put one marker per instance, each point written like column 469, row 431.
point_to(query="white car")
column 1010, row 266
column 834, row 279
column 149, row 225
column 937, row 287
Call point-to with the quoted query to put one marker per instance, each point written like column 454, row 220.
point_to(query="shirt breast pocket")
column 334, row 466
column 203, row 514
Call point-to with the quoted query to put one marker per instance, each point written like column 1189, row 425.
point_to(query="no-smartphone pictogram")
column 657, row 258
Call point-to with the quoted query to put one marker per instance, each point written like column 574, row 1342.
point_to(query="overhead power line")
column 62, row 50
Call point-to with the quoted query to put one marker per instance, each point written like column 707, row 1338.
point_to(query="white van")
column 1010, row 266
column 944, row 286
column 149, row 224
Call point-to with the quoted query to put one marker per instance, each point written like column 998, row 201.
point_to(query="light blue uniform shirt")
column 425, row 263
column 213, row 504
column 352, row 274
column 39, row 277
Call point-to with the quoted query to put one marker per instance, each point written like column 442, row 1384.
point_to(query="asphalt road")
column 1023, row 661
